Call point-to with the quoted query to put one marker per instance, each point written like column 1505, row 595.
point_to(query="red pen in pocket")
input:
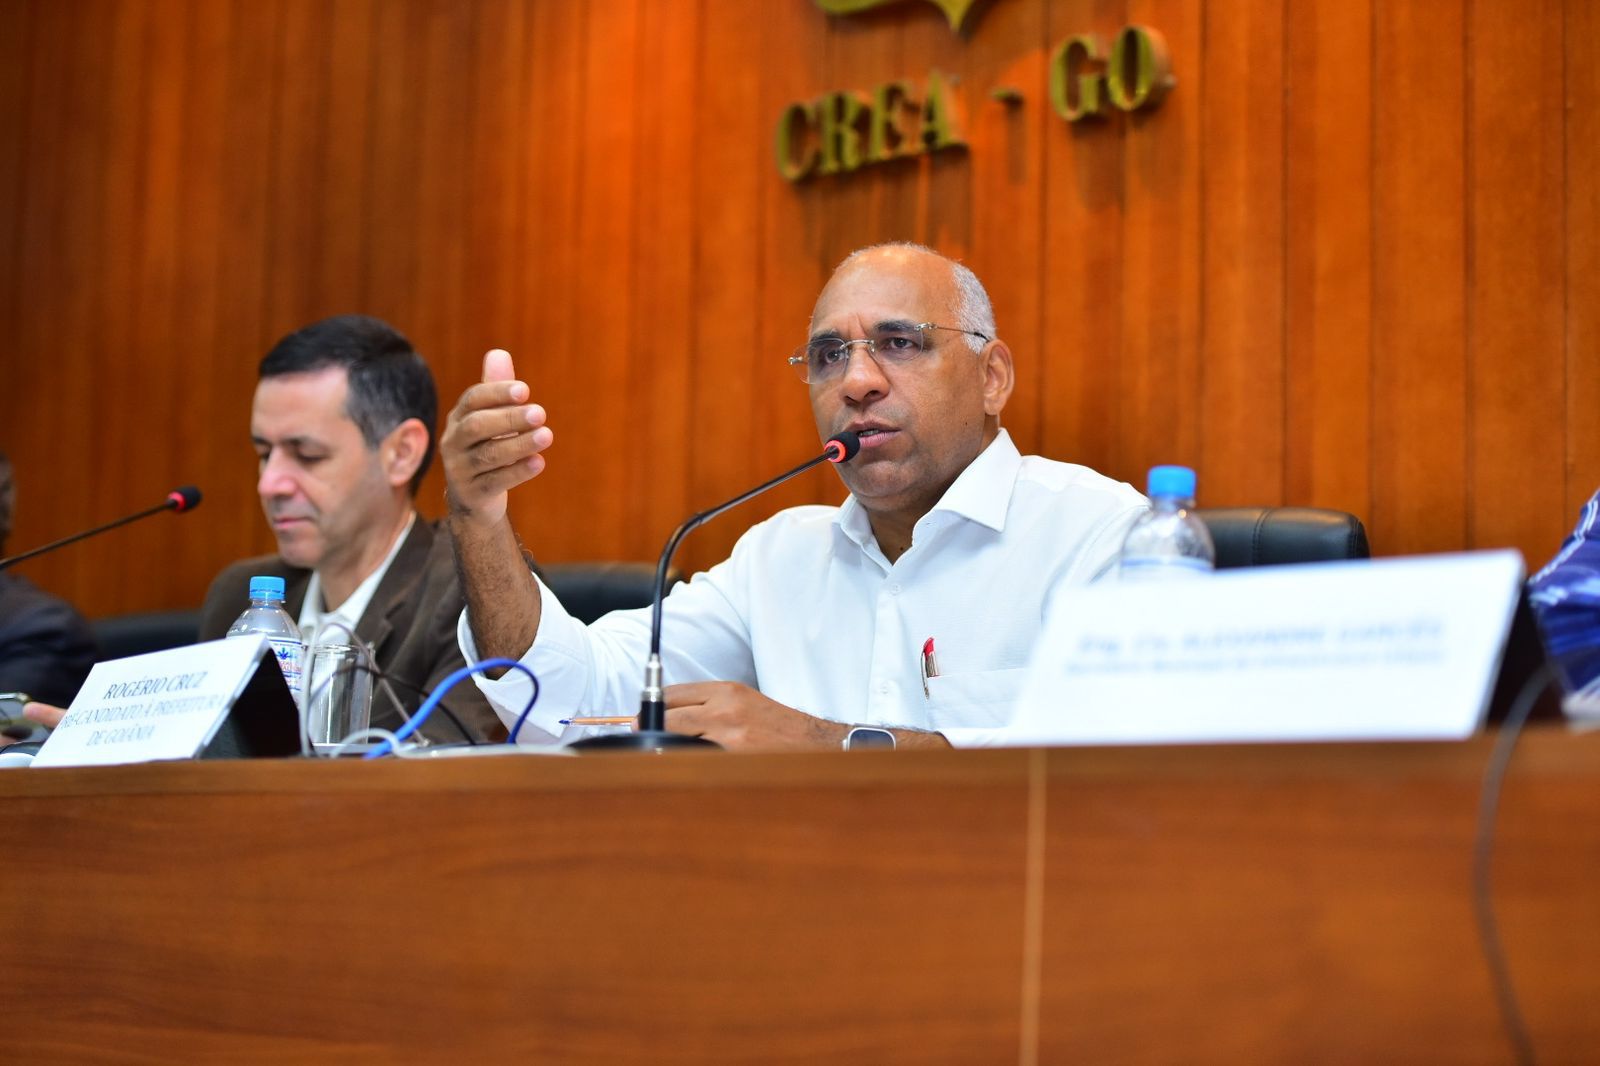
column 930, row 665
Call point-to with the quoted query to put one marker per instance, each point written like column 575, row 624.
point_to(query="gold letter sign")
column 824, row 136
column 842, row 131
column 954, row 10
column 1082, row 80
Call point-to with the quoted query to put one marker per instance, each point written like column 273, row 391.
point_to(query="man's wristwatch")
column 863, row 737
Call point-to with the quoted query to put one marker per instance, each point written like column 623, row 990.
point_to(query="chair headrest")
column 1267, row 536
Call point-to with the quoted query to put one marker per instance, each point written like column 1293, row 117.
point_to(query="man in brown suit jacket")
column 343, row 423
column 410, row 626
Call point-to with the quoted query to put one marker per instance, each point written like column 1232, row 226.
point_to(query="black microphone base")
column 644, row 740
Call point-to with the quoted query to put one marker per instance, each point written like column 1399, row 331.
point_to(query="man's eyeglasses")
column 825, row 359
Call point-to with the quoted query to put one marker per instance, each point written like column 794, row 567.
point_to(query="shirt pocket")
column 976, row 699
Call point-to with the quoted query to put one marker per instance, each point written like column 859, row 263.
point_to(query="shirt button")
column 894, row 590
column 883, row 687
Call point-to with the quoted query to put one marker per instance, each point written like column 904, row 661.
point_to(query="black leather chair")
column 587, row 590
column 135, row 634
column 590, row 590
column 1267, row 536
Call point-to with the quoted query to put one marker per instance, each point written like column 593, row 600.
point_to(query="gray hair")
column 974, row 312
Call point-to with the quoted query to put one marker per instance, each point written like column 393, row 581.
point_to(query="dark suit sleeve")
column 46, row 649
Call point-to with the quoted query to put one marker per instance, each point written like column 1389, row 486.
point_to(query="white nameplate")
column 1387, row 649
column 165, row 705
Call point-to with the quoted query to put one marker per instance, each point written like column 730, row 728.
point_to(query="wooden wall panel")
column 495, row 205
column 1349, row 261
column 1419, row 275
column 1240, row 401
column 1081, row 275
column 1515, row 296
column 446, row 264
column 1581, row 245
column 548, row 348
column 25, row 279
column 157, row 312
column 611, row 172
column 242, row 332
column 794, row 265
column 338, row 268
column 303, row 95
column 1328, row 250
column 389, row 275
column 1157, row 391
column 196, row 315
column 660, row 336
column 16, row 45
column 726, row 370
column 1008, row 178
column 85, row 262
column 944, row 179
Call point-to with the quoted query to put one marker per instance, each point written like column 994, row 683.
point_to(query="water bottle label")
column 288, row 654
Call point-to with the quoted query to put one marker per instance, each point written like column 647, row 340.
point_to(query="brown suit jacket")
column 410, row 624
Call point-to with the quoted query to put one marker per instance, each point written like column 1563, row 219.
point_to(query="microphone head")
column 184, row 499
column 842, row 446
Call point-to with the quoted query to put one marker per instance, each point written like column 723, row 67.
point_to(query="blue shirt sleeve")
column 1566, row 598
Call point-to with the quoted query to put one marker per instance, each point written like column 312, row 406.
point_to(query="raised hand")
column 493, row 441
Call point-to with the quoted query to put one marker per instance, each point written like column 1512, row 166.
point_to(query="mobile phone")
column 12, row 723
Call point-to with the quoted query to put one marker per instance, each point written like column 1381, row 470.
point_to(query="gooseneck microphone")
column 178, row 500
column 652, row 735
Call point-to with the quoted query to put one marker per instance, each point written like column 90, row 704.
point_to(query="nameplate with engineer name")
column 1397, row 649
column 164, row 705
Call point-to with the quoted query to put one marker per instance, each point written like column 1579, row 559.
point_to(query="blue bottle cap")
column 1172, row 481
column 266, row 588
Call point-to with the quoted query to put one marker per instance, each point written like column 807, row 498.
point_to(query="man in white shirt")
column 913, row 607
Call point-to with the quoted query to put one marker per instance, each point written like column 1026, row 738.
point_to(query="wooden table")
column 1281, row 904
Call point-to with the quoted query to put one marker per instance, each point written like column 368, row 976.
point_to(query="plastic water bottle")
column 266, row 616
column 1169, row 541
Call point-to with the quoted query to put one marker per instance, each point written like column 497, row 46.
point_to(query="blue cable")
column 438, row 694
column 523, row 717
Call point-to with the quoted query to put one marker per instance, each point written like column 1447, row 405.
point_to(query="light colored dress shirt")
column 809, row 611
column 313, row 619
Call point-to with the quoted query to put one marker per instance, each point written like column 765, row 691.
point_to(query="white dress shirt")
column 348, row 613
column 809, row 611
